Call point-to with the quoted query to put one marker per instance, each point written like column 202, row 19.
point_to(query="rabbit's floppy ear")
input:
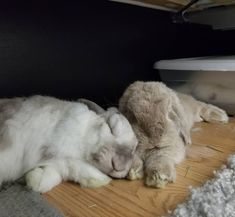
column 116, row 121
column 119, row 125
column 92, row 106
column 178, row 115
column 150, row 115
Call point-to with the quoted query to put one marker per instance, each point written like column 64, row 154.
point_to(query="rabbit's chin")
column 110, row 171
column 118, row 174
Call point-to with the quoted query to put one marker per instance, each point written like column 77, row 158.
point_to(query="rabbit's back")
column 28, row 129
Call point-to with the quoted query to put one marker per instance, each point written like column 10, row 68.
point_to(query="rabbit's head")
column 114, row 157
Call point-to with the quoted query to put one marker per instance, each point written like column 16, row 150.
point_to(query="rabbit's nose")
column 118, row 163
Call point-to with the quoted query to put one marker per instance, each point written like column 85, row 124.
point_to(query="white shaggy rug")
column 216, row 198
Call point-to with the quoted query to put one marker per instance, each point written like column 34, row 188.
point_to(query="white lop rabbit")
column 49, row 140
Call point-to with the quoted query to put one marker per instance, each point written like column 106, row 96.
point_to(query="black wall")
column 90, row 49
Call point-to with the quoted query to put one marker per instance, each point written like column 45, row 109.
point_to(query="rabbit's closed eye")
column 114, row 160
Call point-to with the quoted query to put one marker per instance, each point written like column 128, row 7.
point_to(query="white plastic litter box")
column 210, row 79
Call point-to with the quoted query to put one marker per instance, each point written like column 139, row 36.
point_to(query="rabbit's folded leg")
column 160, row 163
column 202, row 111
column 136, row 171
column 43, row 179
column 213, row 114
column 87, row 175
column 159, row 171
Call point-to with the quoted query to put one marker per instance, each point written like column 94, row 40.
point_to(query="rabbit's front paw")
column 93, row 182
column 214, row 114
column 42, row 179
column 161, row 174
column 136, row 171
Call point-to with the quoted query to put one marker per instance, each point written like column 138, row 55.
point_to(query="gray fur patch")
column 124, row 151
column 3, row 146
column 8, row 108
column 5, row 141
column 45, row 153
column 92, row 106
column 213, row 96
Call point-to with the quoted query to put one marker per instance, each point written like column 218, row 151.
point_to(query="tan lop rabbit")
column 162, row 119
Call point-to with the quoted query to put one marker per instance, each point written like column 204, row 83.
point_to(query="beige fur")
column 162, row 119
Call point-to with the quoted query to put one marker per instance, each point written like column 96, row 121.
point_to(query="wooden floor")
column 212, row 143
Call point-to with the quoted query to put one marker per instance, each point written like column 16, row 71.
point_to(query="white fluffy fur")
column 51, row 140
